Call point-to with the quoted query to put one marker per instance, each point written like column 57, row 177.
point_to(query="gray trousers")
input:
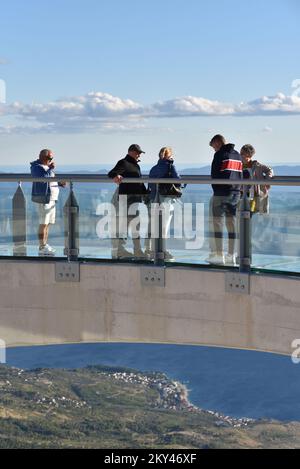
column 167, row 209
column 211, row 230
column 224, row 211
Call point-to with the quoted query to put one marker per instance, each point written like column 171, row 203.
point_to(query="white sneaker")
column 46, row 250
column 216, row 260
column 211, row 255
column 50, row 248
column 230, row 260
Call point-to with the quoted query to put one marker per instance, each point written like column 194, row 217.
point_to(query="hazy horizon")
column 108, row 166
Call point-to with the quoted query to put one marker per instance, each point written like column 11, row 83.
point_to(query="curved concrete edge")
column 24, row 345
column 109, row 304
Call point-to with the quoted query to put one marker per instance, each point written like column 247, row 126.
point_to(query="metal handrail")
column 198, row 179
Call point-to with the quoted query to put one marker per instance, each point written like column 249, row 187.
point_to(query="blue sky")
column 87, row 78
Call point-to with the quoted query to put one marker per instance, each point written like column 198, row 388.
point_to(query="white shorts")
column 47, row 213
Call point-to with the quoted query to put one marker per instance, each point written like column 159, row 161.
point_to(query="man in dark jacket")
column 127, row 167
column 227, row 164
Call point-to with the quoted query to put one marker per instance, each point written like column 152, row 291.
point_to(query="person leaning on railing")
column 168, row 193
column 127, row 167
column 252, row 169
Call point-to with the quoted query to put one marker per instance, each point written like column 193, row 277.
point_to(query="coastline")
column 174, row 395
column 103, row 406
column 268, row 376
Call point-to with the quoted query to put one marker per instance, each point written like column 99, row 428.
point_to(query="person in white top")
column 45, row 195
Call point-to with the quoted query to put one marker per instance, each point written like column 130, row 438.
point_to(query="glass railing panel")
column 193, row 231
column 276, row 235
column 94, row 200
column 20, row 222
column 6, row 195
column 35, row 214
column 189, row 238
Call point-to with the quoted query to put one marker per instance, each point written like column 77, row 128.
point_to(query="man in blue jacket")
column 226, row 164
column 45, row 194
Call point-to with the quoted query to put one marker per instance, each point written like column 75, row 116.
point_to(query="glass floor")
column 259, row 261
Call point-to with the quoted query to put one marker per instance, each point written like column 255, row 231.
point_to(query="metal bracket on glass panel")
column 237, row 283
column 71, row 252
column 153, row 276
column 67, row 272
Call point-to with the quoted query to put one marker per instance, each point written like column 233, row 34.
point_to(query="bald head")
column 45, row 156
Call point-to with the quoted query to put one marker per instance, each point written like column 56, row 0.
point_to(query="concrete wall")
column 109, row 304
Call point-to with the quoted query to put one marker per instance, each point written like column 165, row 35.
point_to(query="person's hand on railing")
column 118, row 179
column 62, row 184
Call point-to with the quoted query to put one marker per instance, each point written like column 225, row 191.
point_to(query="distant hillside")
column 203, row 170
column 280, row 170
column 83, row 171
column 283, row 170
column 100, row 407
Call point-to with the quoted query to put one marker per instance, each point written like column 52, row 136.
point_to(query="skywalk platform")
column 82, row 295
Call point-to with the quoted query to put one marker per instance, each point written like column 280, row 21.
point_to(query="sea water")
column 237, row 383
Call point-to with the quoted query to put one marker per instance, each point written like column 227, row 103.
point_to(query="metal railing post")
column 71, row 218
column 19, row 222
column 245, row 255
column 159, row 254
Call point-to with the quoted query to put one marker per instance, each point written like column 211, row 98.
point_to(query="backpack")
column 170, row 190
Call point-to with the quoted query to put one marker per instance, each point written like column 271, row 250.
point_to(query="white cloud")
column 103, row 112
column 125, row 126
column 77, row 113
column 280, row 104
column 296, row 87
column 191, row 106
column 267, row 129
column 19, row 129
column 94, row 104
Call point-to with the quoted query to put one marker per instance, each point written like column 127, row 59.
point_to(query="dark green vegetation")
column 98, row 408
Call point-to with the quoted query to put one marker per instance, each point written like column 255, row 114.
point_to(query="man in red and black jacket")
column 227, row 164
